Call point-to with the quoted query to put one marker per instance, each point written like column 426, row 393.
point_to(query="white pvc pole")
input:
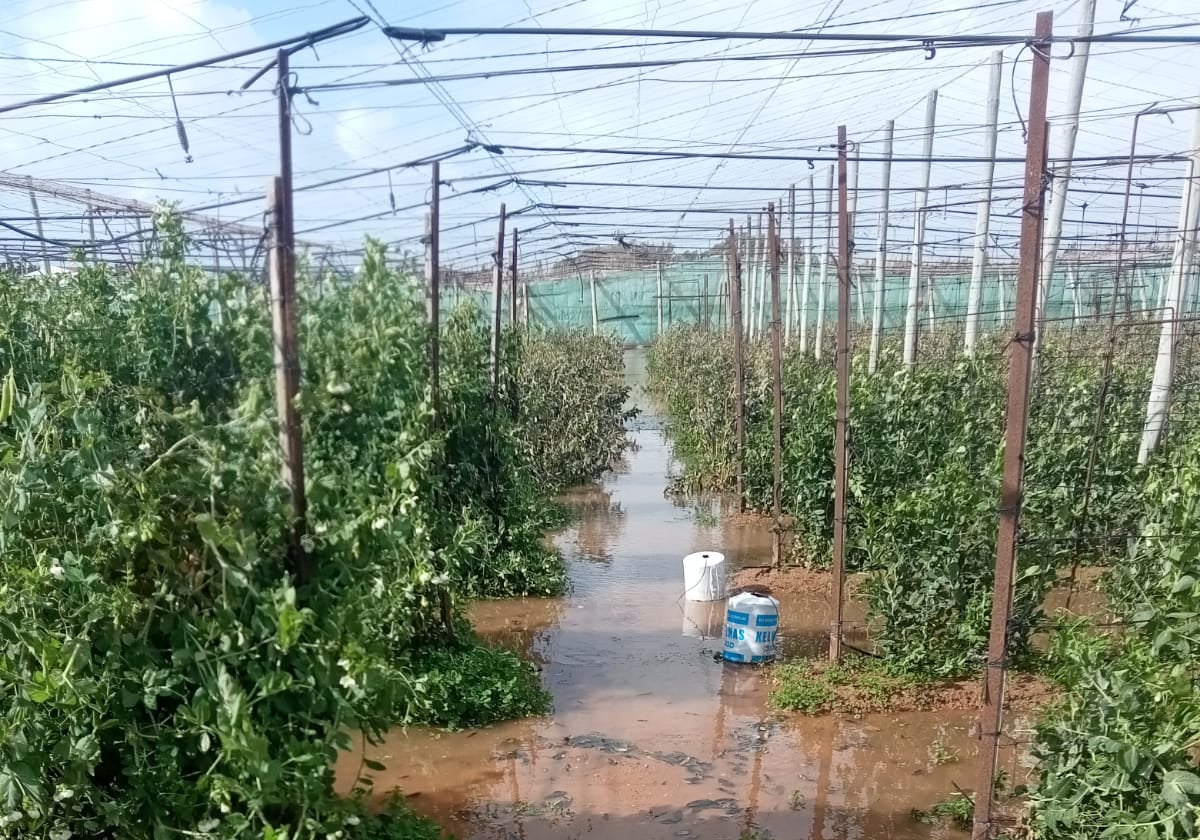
column 822, row 276
column 764, row 291
column 889, row 133
column 984, row 210
column 751, row 274
column 809, row 245
column 1062, row 171
column 1159, row 402
column 595, row 309
column 861, row 293
column 659, row 271
column 748, row 279
column 757, row 246
column 791, row 266
column 1076, row 300
column 851, row 207
column 922, row 202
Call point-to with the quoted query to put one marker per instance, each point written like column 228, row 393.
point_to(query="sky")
column 364, row 106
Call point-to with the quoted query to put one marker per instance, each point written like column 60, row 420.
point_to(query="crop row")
column 160, row 671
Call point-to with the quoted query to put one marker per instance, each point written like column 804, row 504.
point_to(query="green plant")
column 689, row 378
column 817, row 687
column 160, row 670
column 464, row 684
column 940, row 754
column 924, row 473
column 958, row 807
column 572, row 399
column 1118, row 755
column 799, row 690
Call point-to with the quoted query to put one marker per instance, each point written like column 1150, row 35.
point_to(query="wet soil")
column 796, row 580
column 652, row 736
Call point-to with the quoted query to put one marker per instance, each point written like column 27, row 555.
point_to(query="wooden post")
column 433, row 290
column 1016, row 420
column 287, row 379
column 512, row 298
column 841, row 432
column 433, row 309
column 284, row 321
column 776, row 389
column 595, row 308
column 739, row 371
column 497, row 305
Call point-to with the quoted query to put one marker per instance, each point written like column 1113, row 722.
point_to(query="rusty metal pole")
column 497, row 305
column 433, row 292
column 1016, row 420
column 840, row 460
column 739, row 369
column 777, row 390
column 286, row 333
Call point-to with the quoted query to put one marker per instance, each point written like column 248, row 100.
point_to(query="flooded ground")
column 652, row 737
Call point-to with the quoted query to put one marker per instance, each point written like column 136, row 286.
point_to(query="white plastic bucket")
column 703, row 619
column 751, row 622
column 704, row 576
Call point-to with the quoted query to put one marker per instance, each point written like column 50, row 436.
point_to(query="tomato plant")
column 924, row 470
column 1118, row 756
column 160, row 673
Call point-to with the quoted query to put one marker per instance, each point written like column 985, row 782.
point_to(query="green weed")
column 855, row 686
column 940, row 754
column 799, row 690
column 465, row 683
column 959, row 808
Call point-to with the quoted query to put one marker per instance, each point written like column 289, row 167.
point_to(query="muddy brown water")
column 652, row 738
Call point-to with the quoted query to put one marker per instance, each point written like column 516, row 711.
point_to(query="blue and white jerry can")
column 751, row 622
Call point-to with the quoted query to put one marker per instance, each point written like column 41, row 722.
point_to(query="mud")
column 651, row 736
